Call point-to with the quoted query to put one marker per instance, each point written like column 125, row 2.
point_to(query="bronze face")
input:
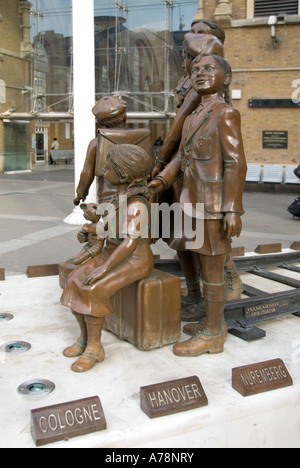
column 208, row 77
column 201, row 28
column 110, row 174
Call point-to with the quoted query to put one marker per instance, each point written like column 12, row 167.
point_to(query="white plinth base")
column 268, row 420
column 75, row 218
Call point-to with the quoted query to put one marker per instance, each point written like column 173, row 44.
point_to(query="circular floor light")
column 6, row 317
column 15, row 347
column 36, row 388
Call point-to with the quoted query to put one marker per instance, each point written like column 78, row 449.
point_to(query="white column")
column 84, row 93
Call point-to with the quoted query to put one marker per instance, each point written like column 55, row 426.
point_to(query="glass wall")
column 51, row 36
column 138, row 51
column 138, row 48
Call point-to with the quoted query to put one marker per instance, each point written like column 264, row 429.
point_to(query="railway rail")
column 258, row 305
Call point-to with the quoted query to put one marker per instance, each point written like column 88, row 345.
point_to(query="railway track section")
column 278, row 292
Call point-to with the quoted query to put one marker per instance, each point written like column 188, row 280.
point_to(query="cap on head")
column 109, row 108
column 204, row 44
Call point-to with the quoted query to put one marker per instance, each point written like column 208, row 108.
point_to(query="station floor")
column 33, row 207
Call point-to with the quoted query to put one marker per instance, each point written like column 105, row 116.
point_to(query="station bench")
column 62, row 155
column 272, row 173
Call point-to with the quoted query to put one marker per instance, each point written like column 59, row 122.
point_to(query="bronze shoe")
column 87, row 361
column 201, row 343
column 76, row 349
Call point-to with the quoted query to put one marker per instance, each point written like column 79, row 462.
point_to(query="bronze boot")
column 234, row 284
column 194, row 328
column 80, row 344
column 94, row 351
column 210, row 337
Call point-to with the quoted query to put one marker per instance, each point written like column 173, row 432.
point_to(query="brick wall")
column 248, row 49
column 14, row 69
column 251, row 49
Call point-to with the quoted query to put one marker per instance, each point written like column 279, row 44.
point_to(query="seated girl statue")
column 126, row 256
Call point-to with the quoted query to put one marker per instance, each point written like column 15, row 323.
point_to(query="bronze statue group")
column 201, row 161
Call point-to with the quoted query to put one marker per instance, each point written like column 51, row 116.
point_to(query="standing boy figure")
column 211, row 157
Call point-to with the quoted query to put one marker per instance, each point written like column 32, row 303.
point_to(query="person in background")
column 55, row 147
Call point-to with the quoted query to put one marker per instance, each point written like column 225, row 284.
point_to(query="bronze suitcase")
column 148, row 312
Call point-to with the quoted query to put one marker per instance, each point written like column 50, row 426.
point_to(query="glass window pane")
column 138, row 50
column 51, row 36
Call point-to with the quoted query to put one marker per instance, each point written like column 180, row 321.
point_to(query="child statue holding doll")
column 125, row 257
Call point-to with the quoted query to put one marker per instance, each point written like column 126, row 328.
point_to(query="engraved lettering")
column 60, row 424
column 168, row 397
column 87, row 414
column 79, row 418
column 69, row 415
column 161, row 401
column 265, row 309
column 69, row 418
column 50, row 418
column 189, row 392
column 95, row 411
column 261, row 377
column 282, row 372
column 152, row 398
column 175, row 395
column 196, row 391
column 181, row 392
column 41, row 422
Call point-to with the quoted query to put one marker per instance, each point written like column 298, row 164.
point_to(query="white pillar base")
column 76, row 218
column 84, row 94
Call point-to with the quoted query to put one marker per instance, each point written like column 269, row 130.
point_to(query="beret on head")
column 109, row 107
column 204, row 44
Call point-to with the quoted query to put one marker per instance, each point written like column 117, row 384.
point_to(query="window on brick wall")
column 267, row 7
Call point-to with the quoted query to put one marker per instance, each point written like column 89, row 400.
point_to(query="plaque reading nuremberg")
column 172, row 397
column 261, row 377
column 67, row 420
column 273, row 139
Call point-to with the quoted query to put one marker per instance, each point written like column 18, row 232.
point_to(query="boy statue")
column 211, row 157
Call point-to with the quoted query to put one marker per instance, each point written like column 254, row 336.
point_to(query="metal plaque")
column 172, row 397
column 67, row 420
column 261, row 377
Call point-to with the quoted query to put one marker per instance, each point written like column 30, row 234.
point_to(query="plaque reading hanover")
column 67, row 420
column 172, row 397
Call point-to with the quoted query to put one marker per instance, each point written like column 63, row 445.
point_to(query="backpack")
column 294, row 208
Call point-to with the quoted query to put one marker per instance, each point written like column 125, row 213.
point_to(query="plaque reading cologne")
column 67, row 420
column 261, row 377
column 172, row 397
